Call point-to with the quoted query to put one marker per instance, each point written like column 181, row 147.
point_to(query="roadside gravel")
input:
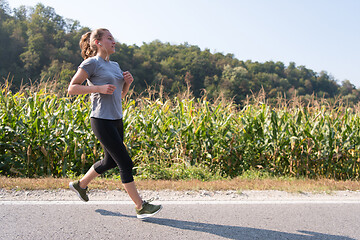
column 170, row 195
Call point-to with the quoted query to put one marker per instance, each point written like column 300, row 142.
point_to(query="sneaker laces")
column 149, row 200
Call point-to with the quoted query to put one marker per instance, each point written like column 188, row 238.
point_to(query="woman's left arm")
column 128, row 78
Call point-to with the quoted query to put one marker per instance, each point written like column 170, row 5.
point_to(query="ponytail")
column 87, row 42
column 85, row 47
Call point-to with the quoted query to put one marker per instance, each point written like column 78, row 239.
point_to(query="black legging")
column 111, row 134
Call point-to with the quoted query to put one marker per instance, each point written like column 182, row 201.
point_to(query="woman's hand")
column 128, row 78
column 106, row 89
column 76, row 87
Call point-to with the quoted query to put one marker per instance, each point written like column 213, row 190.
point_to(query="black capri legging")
column 111, row 134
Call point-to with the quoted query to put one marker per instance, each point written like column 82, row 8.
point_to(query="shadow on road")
column 230, row 232
column 110, row 213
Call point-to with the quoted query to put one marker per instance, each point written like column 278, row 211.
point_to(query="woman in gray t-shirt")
column 107, row 84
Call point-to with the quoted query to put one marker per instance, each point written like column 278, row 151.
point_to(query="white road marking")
column 274, row 202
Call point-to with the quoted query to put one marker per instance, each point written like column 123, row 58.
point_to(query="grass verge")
column 238, row 184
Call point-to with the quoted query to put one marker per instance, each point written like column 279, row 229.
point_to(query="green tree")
column 38, row 43
column 236, row 83
column 59, row 72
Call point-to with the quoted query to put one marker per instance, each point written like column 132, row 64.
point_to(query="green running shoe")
column 148, row 210
column 75, row 186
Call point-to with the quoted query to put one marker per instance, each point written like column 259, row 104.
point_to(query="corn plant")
column 42, row 134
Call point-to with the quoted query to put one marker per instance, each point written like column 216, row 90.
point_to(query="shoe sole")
column 143, row 216
column 71, row 186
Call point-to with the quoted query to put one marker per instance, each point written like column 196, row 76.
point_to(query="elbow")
column 71, row 90
column 123, row 94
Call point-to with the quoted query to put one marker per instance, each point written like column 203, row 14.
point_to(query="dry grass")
column 292, row 185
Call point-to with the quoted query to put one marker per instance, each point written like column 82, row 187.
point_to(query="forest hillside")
column 36, row 44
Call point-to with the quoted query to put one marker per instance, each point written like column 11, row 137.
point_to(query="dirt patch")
column 237, row 184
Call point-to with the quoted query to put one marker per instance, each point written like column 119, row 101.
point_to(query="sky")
column 322, row 35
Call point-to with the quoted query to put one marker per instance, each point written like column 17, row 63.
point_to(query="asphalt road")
column 179, row 220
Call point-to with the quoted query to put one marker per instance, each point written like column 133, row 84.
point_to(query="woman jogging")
column 107, row 84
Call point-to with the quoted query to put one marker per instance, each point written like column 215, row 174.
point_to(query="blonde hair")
column 87, row 42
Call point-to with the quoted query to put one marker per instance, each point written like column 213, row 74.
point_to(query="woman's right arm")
column 76, row 87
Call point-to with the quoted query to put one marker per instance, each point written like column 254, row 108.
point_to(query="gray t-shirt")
column 101, row 72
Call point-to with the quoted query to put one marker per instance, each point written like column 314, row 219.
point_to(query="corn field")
column 42, row 134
